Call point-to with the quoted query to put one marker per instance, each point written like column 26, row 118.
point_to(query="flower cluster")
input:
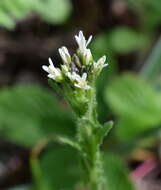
column 78, row 69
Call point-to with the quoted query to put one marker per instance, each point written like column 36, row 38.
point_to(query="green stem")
column 91, row 157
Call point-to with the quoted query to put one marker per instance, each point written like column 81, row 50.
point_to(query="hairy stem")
column 91, row 156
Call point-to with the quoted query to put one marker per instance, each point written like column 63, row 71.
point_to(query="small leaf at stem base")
column 103, row 131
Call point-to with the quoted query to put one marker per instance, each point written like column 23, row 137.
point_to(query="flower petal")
column 45, row 68
column 89, row 40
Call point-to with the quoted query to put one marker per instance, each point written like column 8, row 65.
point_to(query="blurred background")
column 129, row 91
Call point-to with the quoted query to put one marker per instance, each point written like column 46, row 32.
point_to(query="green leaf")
column 116, row 173
column 152, row 66
column 53, row 11
column 128, row 131
column 103, row 131
column 136, row 103
column 60, row 167
column 6, row 20
column 133, row 98
column 14, row 8
column 30, row 113
column 125, row 40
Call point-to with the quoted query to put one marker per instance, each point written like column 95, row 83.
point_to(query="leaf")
column 132, row 98
column 125, row 40
column 13, row 10
column 152, row 66
column 29, row 113
column 116, row 173
column 6, row 20
column 53, row 11
column 129, row 132
column 103, row 131
column 137, row 105
column 60, row 168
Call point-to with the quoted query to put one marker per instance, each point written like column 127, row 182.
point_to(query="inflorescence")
column 80, row 69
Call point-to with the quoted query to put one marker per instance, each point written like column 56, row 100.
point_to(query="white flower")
column 76, row 67
column 88, row 56
column 65, row 55
column 79, row 82
column 54, row 73
column 73, row 76
column 100, row 64
column 82, row 83
column 82, row 43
